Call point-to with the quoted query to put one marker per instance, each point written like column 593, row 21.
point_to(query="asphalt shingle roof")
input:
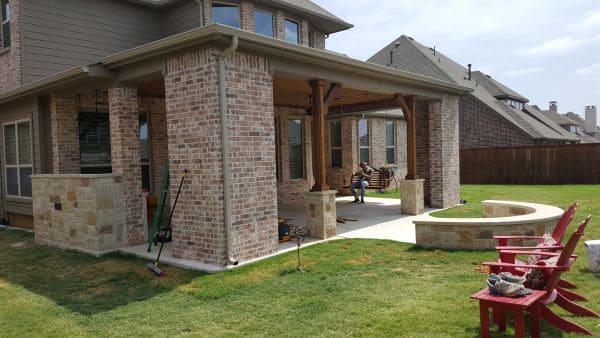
column 407, row 54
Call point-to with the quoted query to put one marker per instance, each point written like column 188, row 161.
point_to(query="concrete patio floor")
column 378, row 218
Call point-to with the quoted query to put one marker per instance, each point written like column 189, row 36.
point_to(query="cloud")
column 524, row 71
column 592, row 71
column 554, row 46
column 590, row 20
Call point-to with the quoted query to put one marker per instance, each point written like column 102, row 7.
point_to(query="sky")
column 546, row 50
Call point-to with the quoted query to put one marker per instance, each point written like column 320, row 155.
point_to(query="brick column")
column 378, row 142
column 401, row 148
column 125, row 151
column 444, row 154
column 247, row 15
column 65, row 135
column 422, row 117
column 193, row 126
column 304, row 33
column 207, row 12
column 279, row 25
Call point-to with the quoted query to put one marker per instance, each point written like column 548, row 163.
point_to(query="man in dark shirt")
column 364, row 173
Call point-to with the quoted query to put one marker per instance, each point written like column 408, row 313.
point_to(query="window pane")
column 25, row 181
column 6, row 35
column 335, row 130
column 363, row 133
column 263, row 23
column 146, row 177
column 12, row 182
column 10, row 144
column 364, row 155
column 296, row 158
column 291, row 31
column 94, row 141
column 144, row 150
column 390, row 155
column 5, row 11
column 389, row 134
column 226, row 15
column 336, row 158
column 24, row 134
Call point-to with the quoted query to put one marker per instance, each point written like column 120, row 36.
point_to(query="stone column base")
column 411, row 196
column 321, row 212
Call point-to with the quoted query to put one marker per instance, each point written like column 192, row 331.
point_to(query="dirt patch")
column 3, row 284
column 114, row 266
column 360, row 260
column 23, row 244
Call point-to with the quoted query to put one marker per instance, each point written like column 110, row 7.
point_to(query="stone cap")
column 75, row 176
column 540, row 213
column 321, row 193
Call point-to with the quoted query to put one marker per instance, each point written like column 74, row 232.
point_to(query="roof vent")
column 410, row 38
column 397, row 44
column 469, row 72
column 489, row 77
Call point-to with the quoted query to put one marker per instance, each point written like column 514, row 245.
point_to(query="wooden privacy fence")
column 554, row 164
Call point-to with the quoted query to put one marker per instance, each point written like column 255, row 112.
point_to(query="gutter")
column 225, row 148
column 46, row 83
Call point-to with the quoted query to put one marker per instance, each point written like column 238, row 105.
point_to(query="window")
column 226, row 14
column 263, row 23
column 515, row 104
column 5, row 24
column 573, row 129
column 390, row 137
column 291, row 31
column 335, row 132
column 94, row 143
column 18, row 159
column 363, row 140
column 144, row 152
column 296, row 149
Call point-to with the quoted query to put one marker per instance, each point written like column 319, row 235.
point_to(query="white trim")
column 17, row 166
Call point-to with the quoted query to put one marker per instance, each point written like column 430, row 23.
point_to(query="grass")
column 351, row 288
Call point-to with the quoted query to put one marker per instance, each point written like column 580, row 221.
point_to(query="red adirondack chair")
column 565, row 260
column 557, row 236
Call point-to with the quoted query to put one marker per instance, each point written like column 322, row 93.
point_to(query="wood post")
column 409, row 108
column 320, row 106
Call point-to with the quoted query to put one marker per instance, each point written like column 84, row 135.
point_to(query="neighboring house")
column 493, row 115
column 97, row 95
column 573, row 123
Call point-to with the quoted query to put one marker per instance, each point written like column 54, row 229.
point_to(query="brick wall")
column 193, row 125
column 247, row 15
column 159, row 149
column 422, row 122
column 443, row 152
column 125, row 151
column 65, row 135
column 10, row 58
column 481, row 127
column 293, row 190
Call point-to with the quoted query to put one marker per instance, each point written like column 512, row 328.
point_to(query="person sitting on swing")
column 364, row 173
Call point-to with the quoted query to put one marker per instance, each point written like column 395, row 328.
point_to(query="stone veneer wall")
column 481, row 127
column 289, row 190
column 82, row 212
column 11, row 67
column 193, row 125
column 468, row 233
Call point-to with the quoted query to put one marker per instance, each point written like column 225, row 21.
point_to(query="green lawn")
column 351, row 288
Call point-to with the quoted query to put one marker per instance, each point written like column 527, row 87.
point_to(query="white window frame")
column 273, row 19
column 332, row 148
column 393, row 146
column 368, row 137
column 17, row 166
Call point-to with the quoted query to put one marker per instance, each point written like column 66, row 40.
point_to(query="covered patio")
column 213, row 99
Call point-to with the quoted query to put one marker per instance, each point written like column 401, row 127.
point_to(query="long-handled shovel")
column 154, row 267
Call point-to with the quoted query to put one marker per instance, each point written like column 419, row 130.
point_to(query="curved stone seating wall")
column 500, row 218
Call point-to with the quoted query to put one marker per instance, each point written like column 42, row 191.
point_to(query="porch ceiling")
column 294, row 93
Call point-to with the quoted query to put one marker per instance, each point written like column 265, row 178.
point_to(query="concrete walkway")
column 378, row 218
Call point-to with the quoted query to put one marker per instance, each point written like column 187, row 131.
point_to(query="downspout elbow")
column 225, row 149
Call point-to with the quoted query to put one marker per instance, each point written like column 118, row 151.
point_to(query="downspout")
column 225, row 148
